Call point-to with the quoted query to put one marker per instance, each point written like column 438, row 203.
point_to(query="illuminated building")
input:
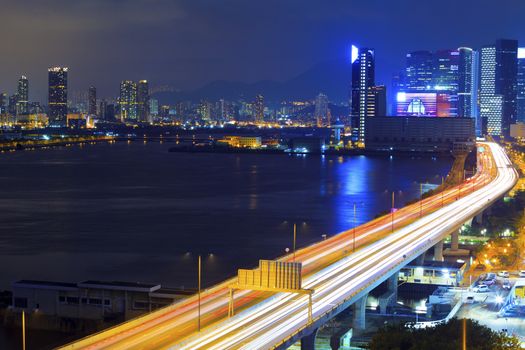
column 92, row 101
column 57, row 96
column 465, row 82
column 376, row 101
column 420, row 134
column 321, row 110
column 419, row 68
column 445, row 77
column 242, row 141
column 204, row 110
column 3, row 103
column 11, row 106
column 258, row 109
column 520, row 100
column 154, row 107
column 22, row 104
column 363, row 78
column 143, row 102
column 498, row 87
column 128, row 101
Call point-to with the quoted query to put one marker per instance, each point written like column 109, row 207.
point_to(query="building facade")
column 92, row 100
column 128, row 101
column 363, row 79
column 520, row 83
column 22, row 104
column 57, row 96
column 498, row 87
column 143, row 102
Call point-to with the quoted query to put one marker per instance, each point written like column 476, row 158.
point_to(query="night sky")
column 189, row 43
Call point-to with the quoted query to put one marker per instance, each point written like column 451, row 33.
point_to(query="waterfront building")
column 420, row 134
column 419, row 69
column 258, row 109
column 465, row 82
column 376, row 101
column 22, row 104
column 143, row 102
column 520, row 83
column 498, row 86
column 128, row 101
column 154, row 107
column 92, row 101
column 321, row 111
column 363, row 78
column 57, row 96
column 3, row 103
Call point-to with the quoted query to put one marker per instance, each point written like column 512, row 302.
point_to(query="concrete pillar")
column 391, row 284
column 308, row 342
column 359, row 313
column 438, row 251
column 454, row 240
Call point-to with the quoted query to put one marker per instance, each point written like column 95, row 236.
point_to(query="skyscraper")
column 143, row 101
column 57, row 96
column 128, row 101
column 22, row 105
column 321, row 110
column 376, row 101
column 498, row 86
column 3, row 103
column 465, row 82
column 520, row 101
column 258, row 109
column 92, row 100
column 363, row 78
column 419, row 69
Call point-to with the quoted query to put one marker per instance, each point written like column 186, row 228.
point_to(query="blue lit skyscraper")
column 520, row 100
column 498, row 86
column 363, row 79
column 419, row 68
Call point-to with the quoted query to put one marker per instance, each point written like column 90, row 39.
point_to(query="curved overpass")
column 339, row 276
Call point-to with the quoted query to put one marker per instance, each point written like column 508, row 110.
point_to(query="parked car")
column 482, row 288
column 506, row 285
column 504, row 274
column 522, row 273
column 489, row 281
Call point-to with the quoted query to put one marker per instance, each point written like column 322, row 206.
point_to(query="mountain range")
column 333, row 78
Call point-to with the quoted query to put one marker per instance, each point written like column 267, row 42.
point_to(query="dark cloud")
column 188, row 43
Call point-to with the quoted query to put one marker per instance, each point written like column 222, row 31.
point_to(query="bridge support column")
column 308, row 342
column 390, row 297
column 454, row 237
column 438, row 251
column 359, row 313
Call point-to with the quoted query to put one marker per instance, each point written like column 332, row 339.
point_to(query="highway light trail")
column 332, row 270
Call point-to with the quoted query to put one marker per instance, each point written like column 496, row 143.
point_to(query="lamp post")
column 421, row 199
column 442, row 190
column 199, row 296
column 393, row 206
column 354, row 226
column 294, row 239
column 23, row 330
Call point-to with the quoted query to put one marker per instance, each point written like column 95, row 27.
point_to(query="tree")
column 447, row 336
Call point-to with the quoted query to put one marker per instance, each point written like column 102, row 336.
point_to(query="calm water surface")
column 132, row 212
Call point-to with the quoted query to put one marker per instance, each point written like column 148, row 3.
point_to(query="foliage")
column 442, row 337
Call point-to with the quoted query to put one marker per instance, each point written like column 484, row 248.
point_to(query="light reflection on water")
column 132, row 211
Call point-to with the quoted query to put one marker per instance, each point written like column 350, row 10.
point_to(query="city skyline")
column 198, row 55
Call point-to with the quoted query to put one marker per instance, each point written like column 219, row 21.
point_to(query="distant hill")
column 331, row 78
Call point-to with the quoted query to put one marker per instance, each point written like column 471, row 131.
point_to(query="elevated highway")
column 340, row 276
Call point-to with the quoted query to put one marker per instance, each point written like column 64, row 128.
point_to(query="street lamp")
column 393, row 206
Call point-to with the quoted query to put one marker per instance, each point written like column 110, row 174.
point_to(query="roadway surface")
column 331, row 268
